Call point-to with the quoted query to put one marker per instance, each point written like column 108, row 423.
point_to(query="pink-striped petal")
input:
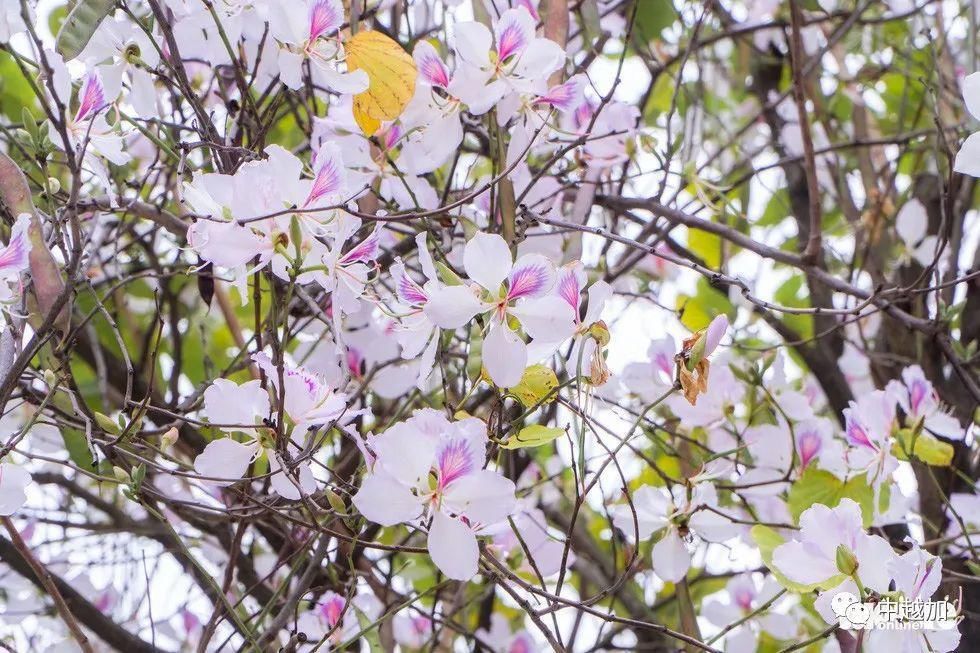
column 570, row 288
column 407, row 290
column 564, row 97
column 392, row 135
column 332, row 609
column 91, row 97
column 14, row 257
column 453, row 461
column 582, row 115
column 532, row 276
column 856, row 432
column 325, row 17
column 366, row 250
column 329, row 170
column 514, row 32
column 430, row 66
column 808, row 445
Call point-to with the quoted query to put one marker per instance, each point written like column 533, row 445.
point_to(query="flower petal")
column 228, row 403
column 911, row 222
column 671, row 559
column 450, row 307
column 224, row 459
column 487, row 260
column 472, row 41
column 549, row 319
column 453, row 547
column 13, row 481
column 484, row 497
column 504, row 356
column 532, row 276
column 971, row 94
column 385, row 501
column 430, row 65
column 968, row 158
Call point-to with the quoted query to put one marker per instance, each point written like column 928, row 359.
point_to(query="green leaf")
column 533, row 436
column 699, row 310
column 661, row 97
column 820, row 486
column 768, row 540
column 15, row 90
column 535, row 387
column 928, row 449
column 446, row 275
column 589, row 11
column 706, row 245
column 653, row 16
column 792, row 294
column 776, row 210
column 80, row 25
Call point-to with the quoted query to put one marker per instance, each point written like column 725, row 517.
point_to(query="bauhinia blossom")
column 672, row 515
column 506, row 292
column 428, row 469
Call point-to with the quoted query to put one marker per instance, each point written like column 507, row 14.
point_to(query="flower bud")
column 169, row 438
column 847, row 563
column 107, row 424
column 121, row 475
column 336, row 501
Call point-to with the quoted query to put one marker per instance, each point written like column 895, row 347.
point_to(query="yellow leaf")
column 391, row 78
column 536, row 386
column 533, row 436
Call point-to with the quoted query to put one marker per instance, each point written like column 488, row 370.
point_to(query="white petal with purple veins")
column 513, row 32
column 14, row 257
column 430, row 65
column 532, row 276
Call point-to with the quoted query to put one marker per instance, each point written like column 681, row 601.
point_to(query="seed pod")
column 80, row 25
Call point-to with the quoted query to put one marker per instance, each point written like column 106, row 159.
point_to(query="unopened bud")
column 847, row 563
column 53, row 185
column 336, row 501
column 121, row 475
column 107, row 424
column 50, row 379
column 169, row 438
